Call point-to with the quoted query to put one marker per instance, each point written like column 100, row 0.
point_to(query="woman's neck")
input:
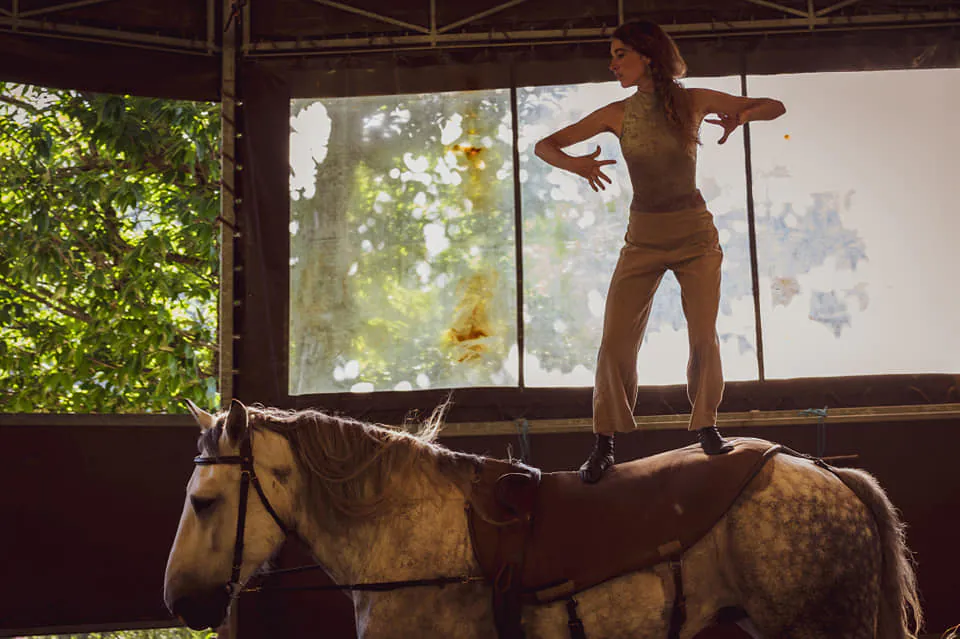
column 645, row 85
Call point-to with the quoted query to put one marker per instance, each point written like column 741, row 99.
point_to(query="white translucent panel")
column 858, row 223
column 402, row 250
column 572, row 237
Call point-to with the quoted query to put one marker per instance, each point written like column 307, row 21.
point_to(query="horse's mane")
column 355, row 469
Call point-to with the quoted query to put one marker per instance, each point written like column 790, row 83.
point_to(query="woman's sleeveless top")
column 662, row 171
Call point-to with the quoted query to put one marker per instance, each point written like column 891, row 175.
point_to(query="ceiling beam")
column 379, row 44
column 59, row 7
column 441, row 37
column 839, row 5
column 49, row 29
column 481, row 15
column 780, row 7
column 211, row 26
column 373, row 16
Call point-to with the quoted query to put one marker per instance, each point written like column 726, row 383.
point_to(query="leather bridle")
column 248, row 475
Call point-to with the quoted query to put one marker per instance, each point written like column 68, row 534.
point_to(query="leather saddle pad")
column 641, row 513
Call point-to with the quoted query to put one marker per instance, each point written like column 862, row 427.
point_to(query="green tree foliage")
column 160, row 633
column 108, row 251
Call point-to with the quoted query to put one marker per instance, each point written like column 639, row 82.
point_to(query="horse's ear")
column 236, row 421
column 205, row 419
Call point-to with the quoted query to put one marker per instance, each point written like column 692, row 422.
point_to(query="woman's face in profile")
column 628, row 66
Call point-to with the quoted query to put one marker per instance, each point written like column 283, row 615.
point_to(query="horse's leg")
column 458, row 610
column 803, row 553
column 749, row 628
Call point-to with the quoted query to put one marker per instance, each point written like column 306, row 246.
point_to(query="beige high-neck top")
column 663, row 173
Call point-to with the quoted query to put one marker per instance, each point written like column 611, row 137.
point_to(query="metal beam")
column 779, row 7
column 865, row 414
column 424, row 38
column 481, row 15
column 380, row 44
column 211, row 26
column 751, row 419
column 60, row 7
column 836, row 7
column 372, row 15
column 228, row 203
column 110, row 36
column 246, row 26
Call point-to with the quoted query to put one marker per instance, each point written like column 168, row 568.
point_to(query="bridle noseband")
column 247, row 476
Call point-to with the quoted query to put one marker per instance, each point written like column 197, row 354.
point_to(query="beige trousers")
column 685, row 242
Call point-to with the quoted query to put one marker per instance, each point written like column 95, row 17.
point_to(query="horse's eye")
column 202, row 504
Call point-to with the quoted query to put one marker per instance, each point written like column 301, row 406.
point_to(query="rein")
column 248, row 476
column 379, row 586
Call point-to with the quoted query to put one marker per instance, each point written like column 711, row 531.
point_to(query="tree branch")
column 98, row 258
column 20, row 104
column 69, row 311
column 186, row 260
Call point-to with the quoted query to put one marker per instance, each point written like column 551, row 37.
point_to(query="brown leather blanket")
column 546, row 537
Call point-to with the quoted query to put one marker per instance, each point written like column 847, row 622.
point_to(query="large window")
column 857, row 223
column 403, row 251
column 402, row 243
column 572, row 238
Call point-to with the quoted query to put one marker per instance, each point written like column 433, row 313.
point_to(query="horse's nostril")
column 202, row 611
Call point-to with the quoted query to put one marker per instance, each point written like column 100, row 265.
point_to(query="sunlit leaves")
column 158, row 633
column 108, row 254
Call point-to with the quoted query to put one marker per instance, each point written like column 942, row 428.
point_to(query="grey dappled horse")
column 801, row 552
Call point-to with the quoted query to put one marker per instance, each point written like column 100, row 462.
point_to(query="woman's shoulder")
column 613, row 115
column 618, row 106
column 701, row 101
column 698, row 97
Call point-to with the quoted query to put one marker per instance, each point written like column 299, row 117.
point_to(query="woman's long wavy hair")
column 667, row 67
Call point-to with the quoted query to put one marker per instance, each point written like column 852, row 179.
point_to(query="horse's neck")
column 426, row 538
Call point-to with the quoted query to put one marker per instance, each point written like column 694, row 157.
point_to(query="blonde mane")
column 355, row 470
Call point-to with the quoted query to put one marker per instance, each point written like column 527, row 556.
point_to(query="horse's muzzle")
column 202, row 611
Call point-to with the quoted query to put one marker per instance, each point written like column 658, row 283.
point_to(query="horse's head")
column 240, row 501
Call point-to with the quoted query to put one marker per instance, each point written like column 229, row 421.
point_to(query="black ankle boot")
column 600, row 459
column 712, row 441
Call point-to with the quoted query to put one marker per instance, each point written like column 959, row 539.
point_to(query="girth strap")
column 678, row 616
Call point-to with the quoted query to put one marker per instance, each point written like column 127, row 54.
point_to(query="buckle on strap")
column 574, row 623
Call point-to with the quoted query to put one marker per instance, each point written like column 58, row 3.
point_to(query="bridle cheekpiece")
column 248, row 475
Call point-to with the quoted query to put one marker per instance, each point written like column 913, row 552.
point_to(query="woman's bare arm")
column 733, row 110
column 550, row 148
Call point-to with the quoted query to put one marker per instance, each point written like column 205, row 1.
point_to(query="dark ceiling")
column 173, row 47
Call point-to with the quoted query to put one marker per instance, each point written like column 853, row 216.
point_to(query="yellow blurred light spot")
column 467, row 338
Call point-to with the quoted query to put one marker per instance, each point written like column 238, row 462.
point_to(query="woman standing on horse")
column 669, row 228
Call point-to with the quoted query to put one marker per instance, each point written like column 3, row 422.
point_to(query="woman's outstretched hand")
column 728, row 122
column 588, row 167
